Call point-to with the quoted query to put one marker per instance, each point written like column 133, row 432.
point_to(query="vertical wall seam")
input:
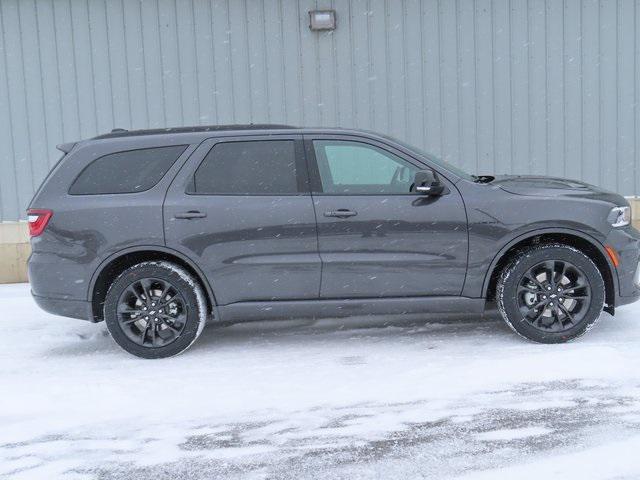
column 25, row 101
column 546, row 87
column 265, row 62
column 125, row 53
column 387, row 100
column 370, row 81
column 564, row 93
column 179, row 62
column 636, row 109
column 11, row 120
column 319, row 104
column 216, row 93
column 600, row 109
column 581, row 5
column 440, row 89
column 354, row 105
column 110, row 76
column 529, row 146
column 617, row 49
column 195, row 64
column 476, row 106
column 283, row 64
column 510, row 52
column 162, row 85
column 93, row 75
column 144, row 66
column 456, row 18
column 404, row 68
column 336, row 97
column 493, row 85
column 300, row 63
column 41, row 82
column 230, row 50
column 55, row 50
column 245, row 9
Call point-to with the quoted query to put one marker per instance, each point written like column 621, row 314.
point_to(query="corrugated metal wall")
column 522, row 86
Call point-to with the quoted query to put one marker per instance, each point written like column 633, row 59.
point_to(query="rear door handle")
column 189, row 215
column 340, row 213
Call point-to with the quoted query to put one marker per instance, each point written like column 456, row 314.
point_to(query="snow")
column 355, row 398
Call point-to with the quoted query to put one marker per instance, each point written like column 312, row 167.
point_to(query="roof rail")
column 119, row 130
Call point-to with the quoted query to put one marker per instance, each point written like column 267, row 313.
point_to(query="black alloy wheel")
column 554, row 295
column 151, row 312
column 155, row 309
column 550, row 293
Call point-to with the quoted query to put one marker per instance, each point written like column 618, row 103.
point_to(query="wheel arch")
column 117, row 262
column 583, row 242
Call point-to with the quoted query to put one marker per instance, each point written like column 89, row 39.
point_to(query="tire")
column 546, row 303
column 155, row 309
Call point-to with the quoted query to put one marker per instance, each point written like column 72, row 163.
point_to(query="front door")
column 241, row 209
column 375, row 237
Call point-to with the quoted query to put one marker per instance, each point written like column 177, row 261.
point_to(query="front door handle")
column 340, row 213
column 189, row 215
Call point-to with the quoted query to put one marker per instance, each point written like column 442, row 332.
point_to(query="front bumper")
column 626, row 243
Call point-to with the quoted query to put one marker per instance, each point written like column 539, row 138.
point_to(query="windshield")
column 439, row 162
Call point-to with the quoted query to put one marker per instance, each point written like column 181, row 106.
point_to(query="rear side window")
column 244, row 168
column 126, row 172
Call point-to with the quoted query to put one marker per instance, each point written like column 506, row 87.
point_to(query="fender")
column 541, row 231
column 153, row 248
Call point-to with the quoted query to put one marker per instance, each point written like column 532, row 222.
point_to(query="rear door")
column 241, row 209
column 375, row 237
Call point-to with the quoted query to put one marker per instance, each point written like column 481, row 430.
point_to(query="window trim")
column 302, row 174
column 314, row 170
column 186, row 147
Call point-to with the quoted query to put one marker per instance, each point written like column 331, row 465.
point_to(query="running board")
column 295, row 309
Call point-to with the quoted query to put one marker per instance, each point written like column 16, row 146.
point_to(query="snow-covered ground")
column 334, row 399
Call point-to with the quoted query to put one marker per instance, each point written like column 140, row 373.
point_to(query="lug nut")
column 544, row 297
column 146, row 318
column 551, row 304
column 144, row 308
column 548, row 288
column 153, row 304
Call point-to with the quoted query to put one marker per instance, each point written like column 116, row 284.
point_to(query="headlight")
column 620, row 216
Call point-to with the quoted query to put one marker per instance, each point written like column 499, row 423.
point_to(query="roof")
column 118, row 132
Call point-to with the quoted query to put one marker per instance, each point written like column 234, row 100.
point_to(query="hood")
column 554, row 186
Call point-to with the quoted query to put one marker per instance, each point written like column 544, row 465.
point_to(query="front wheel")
column 550, row 293
column 155, row 310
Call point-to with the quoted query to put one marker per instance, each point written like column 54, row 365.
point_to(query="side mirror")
column 427, row 182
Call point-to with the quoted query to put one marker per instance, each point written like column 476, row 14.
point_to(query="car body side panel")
column 250, row 247
column 397, row 245
column 498, row 219
column 86, row 229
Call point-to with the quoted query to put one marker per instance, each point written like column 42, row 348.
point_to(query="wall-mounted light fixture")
column 322, row 19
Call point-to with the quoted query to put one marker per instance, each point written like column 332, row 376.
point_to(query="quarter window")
column 347, row 167
column 248, row 168
column 126, row 172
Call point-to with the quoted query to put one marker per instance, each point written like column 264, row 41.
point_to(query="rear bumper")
column 64, row 307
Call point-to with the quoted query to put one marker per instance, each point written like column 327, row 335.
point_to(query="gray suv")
column 159, row 231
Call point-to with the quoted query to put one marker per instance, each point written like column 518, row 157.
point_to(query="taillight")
column 38, row 220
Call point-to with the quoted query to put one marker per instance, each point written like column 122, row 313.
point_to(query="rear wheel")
column 550, row 293
column 155, row 310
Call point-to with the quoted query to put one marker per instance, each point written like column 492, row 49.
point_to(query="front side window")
column 257, row 167
column 126, row 172
column 348, row 167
